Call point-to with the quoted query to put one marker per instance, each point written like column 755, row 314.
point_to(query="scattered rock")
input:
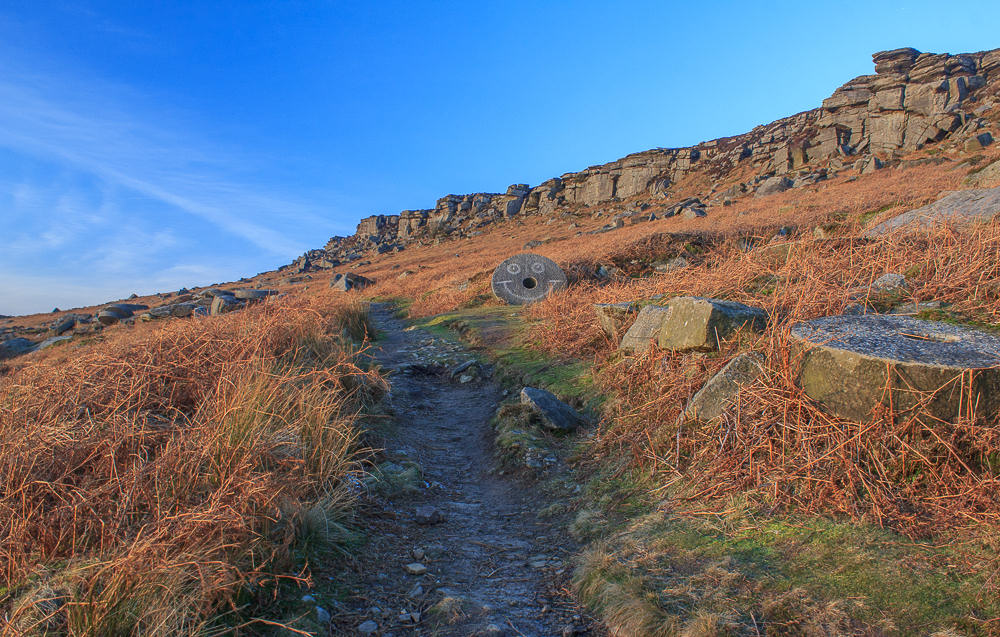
column 696, row 323
column 846, row 363
column 773, row 185
column 960, row 208
column 64, row 324
column 890, row 282
column 323, row 616
column 553, row 413
column 428, row 514
column 367, row 627
column 415, row 568
column 869, row 164
column 978, row 142
column 344, row 282
column 527, row 278
column 613, row 316
column 723, row 390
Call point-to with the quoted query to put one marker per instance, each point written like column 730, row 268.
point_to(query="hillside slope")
column 913, row 99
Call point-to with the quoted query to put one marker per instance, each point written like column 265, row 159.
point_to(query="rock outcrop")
column 913, row 99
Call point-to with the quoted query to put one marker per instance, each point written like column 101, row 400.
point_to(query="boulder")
column 773, row 185
column 697, row 323
column 118, row 311
column 868, row 165
column 526, row 278
column 989, row 175
column 222, row 304
column 645, row 329
column 553, row 413
column 344, row 282
column 961, row 207
column 214, row 292
column 978, row 142
column 613, row 316
column 64, row 324
column 181, row 310
column 249, row 294
column 723, row 390
column 852, row 364
column 888, row 283
column 15, row 347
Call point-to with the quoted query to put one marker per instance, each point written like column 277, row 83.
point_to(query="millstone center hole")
column 931, row 338
column 529, row 282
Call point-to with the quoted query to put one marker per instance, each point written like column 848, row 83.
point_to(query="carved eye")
column 513, row 268
column 538, row 267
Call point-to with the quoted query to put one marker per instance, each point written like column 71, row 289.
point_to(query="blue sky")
column 146, row 146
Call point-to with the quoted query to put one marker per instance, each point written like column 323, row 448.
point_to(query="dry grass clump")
column 151, row 481
column 779, row 446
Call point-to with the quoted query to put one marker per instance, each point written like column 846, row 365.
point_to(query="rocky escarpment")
column 913, row 99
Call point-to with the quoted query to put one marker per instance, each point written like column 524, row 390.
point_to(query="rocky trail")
column 463, row 551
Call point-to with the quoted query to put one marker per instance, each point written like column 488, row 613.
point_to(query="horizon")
column 149, row 149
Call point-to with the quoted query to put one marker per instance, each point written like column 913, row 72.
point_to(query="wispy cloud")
column 101, row 137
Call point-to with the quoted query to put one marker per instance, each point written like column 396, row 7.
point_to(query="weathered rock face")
column 913, row 99
column 645, row 329
column 853, row 364
column 696, row 323
column 349, row 281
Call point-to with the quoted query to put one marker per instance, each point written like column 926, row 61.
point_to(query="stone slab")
column 853, row 364
column 527, row 278
column 962, row 207
column 722, row 390
column 697, row 323
column 554, row 413
column 645, row 329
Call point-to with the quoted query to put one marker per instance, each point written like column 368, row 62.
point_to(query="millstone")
column 852, row 364
column 526, row 278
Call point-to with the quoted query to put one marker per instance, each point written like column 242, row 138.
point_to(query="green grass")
column 871, row 214
column 776, row 569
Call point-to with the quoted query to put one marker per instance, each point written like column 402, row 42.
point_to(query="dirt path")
column 498, row 567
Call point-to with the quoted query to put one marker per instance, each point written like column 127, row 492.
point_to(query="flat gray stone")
column 962, row 207
column 527, row 278
column 645, row 329
column 723, row 390
column 49, row 342
column 250, row 294
column 985, row 177
column 554, row 413
column 853, row 364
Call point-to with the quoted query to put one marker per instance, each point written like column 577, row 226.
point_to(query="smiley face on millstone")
column 526, row 278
